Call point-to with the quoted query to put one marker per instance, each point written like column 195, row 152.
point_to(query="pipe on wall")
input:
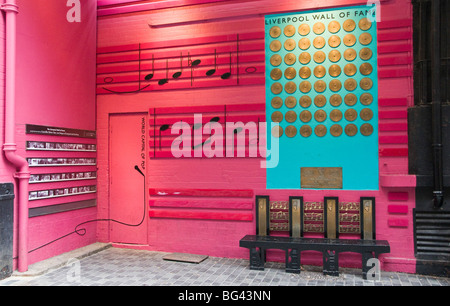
column 9, row 147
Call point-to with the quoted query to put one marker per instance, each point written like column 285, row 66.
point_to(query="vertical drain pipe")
column 9, row 147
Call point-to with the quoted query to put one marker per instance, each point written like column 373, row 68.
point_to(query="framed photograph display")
column 51, row 162
column 60, row 177
column 61, row 192
column 60, row 146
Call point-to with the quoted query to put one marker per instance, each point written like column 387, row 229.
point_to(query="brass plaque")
column 277, row 116
column 275, row 32
column 320, row 101
column 290, row 116
column 350, row 99
column 334, row 27
column 334, row 70
column 334, row 41
column 290, row 131
column 320, row 115
column 366, row 114
column 350, row 84
column 305, row 131
column 321, row 177
column 319, row 28
column 365, row 39
column 277, row 102
column 350, row 69
column 366, row 69
column 320, row 71
column 335, row 85
column 366, row 83
column 275, row 60
column 289, row 30
column 276, row 88
column 367, row 217
column 334, row 56
column 262, row 217
column 290, row 73
column 277, row 131
column 320, row 86
column 349, row 25
column 335, row 100
column 331, row 218
column 365, row 24
column 305, row 116
column 290, row 102
column 319, row 42
column 350, row 54
column 351, row 114
column 304, row 58
column 320, row 130
column 275, row 46
column 365, row 54
column 336, row 130
column 336, row 115
column 305, row 101
column 319, row 57
column 275, row 74
column 304, row 72
column 351, row 129
column 305, row 86
column 366, row 129
column 296, row 219
column 349, row 40
column 289, row 44
column 290, row 87
column 366, row 99
column 290, row 59
column 304, row 43
column 304, row 29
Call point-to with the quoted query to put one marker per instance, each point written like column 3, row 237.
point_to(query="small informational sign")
column 59, row 131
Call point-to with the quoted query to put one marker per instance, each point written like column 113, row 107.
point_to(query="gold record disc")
column 334, row 70
column 366, row 129
column 319, row 42
column 304, row 29
column 290, row 59
column 290, row 102
column 351, row 129
column 335, row 100
column 320, row 115
column 320, row 86
column 275, row 32
column 275, row 46
column 276, row 88
column 289, row 30
column 350, row 69
column 319, row 57
column 335, row 85
column 336, row 115
column 276, row 74
column 350, row 99
column 304, row 58
column 350, row 114
column 277, row 102
column 366, row 114
column 305, row 116
column 366, row 83
column 365, row 24
column 366, row 99
column 320, row 130
column 320, row 71
column 275, row 60
column 334, row 27
column 320, row 100
column 350, row 84
column 305, row 86
column 318, row 28
column 334, row 56
column 349, row 40
column 350, row 54
column 304, row 72
column 289, row 44
column 290, row 73
column 305, row 101
column 290, row 116
column 290, row 87
column 290, row 131
column 305, row 131
column 336, row 130
column 365, row 54
column 334, row 41
column 365, row 39
column 366, row 68
column 304, row 43
column 277, row 116
column 349, row 25
column 277, row 131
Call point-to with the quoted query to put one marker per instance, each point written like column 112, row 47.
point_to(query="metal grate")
column 432, row 234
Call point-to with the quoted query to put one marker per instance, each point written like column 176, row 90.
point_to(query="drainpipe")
column 9, row 147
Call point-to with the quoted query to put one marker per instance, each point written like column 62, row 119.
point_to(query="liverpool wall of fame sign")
column 322, row 90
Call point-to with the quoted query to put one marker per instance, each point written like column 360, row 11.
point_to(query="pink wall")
column 395, row 199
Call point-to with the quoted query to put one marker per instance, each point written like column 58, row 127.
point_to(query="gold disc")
column 349, row 40
column 305, row 131
column 350, row 99
column 350, row 114
column 277, row 131
column 305, row 101
column 320, row 115
column 365, row 54
column 334, row 56
column 304, row 29
column 289, row 44
column 335, row 85
column 305, row 116
column 334, row 27
column 290, row 73
column 320, row 86
column 319, row 42
column 334, row 41
column 350, row 84
column 366, row 99
column 304, row 43
column 320, row 71
column 366, row 83
column 350, row 54
column 366, row 114
column 290, row 87
column 276, row 88
column 305, row 86
column 275, row 60
column 290, row 59
column 366, row 68
column 289, row 30
column 290, row 102
column 290, row 116
column 335, row 100
column 304, row 58
column 277, row 102
column 351, row 129
column 275, row 32
column 366, row 129
column 304, row 72
column 320, row 100
column 349, row 25
column 277, row 116
column 350, row 69
column 336, row 130
column 275, row 46
column 319, row 57
column 336, row 115
column 318, row 28
column 365, row 24
column 334, row 70
column 290, row 131
column 365, row 39
column 276, row 74
column 320, row 130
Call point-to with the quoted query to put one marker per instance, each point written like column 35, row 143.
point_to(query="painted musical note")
column 227, row 75
column 166, row 80
column 177, row 74
column 199, row 125
column 212, row 71
column 164, row 127
column 149, row 76
column 192, row 64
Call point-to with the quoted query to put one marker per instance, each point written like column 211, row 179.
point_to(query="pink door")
column 127, row 143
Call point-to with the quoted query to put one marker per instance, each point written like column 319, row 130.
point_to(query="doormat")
column 182, row 257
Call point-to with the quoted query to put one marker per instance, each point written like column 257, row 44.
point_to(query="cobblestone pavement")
column 127, row 267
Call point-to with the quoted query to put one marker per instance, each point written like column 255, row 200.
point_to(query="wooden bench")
column 329, row 217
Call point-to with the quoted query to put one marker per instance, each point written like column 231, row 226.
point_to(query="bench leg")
column 331, row 263
column 293, row 261
column 257, row 259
